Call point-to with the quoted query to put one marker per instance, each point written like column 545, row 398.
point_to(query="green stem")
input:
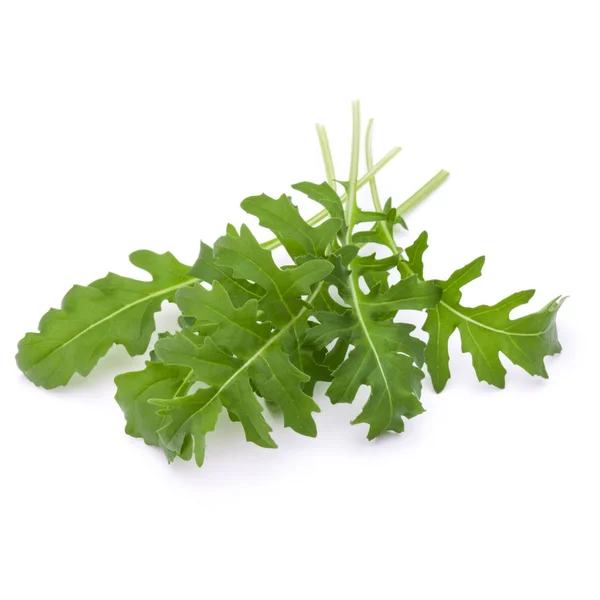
column 353, row 177
column 422, row 193
column 387, row 231
column 320, row 216
column 323, row 214
column 326, row 153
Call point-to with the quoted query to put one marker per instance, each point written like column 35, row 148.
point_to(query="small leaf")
column 415, row 254
column 184, row 429
column 134, row 389
column 486, row 331
column 296, row 235
column 325, row 195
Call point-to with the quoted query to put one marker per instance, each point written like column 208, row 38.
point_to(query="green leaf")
column 383, row 353
column 207, row 269
column 375, row 270
column 134, row 389
column 241, row 356
column 325, row 195
column 284, row 220
column 394, row 216
column 184, row 428
column 486, row 331
column 308, row 360
column 283, row 287
column 112, row 310
column 258, row 349
column 415, row 254
column 219, row 369
column 301, row 241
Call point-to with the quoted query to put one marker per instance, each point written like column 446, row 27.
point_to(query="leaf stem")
column 326, row 153
column 423, row 192
column 353, row 177
column 323, row 214
column 315, row 219
column 383, row 226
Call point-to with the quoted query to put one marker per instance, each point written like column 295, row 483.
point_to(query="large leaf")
column 384, row 353
column 486, row 331
column 112, row 310
column 243, row 355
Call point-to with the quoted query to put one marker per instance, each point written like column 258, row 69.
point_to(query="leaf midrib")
column 493, row 329
column 356, row 305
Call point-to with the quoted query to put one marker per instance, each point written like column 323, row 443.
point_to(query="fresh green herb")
column 254, row 334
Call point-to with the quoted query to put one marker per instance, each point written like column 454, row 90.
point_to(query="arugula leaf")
column 112, row 310
column 243, row 354
column 383, row 353
column 305, row 243
column 229, row 386
column 326, row 196
column 186, row 421
column 134, row 389
column 253, row 333
column 486, row 331
column 415, row 255
column 254, row 343
column 284, row 220
column 207, row 269
column 283, row 287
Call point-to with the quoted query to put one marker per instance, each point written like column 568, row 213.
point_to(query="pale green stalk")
column 323, row 214
column 422, row 193
column 326, row 153
column 353, row 177
column 387, row 231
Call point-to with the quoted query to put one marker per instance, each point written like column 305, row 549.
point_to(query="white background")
column 127, row 125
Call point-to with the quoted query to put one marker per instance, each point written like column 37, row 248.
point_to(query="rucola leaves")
column 486, row 331
column 383, row 353
column 134, row 389
column 254, row 334
column 243, row 355
column 112, row 310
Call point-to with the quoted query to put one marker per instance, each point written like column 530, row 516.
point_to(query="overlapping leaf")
column 207, row 269
column 134, row 389
column 304, row 243
column 112, row 310
column 284, row 288
column 487, row 331
column 384, row 353
column 284, row 220
column 243, row 355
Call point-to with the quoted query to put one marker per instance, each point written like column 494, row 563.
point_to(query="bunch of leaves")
column 256, row 335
